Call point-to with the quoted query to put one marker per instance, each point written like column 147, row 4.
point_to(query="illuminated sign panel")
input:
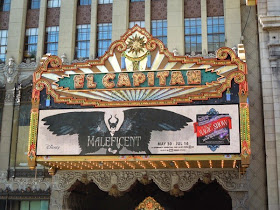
column 140, row 99
column 156, row 130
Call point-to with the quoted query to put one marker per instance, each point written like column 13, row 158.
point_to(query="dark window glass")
column 104, row 36
column 215, row 33
column 3, row 45
column 5, row 5
column 193, row 35
column 159, row 30
column 136, row 0
column 31, row 39
column 82, row 41
column 84, row 2
column 34, row 4
column 51, row 44
column 31, row 205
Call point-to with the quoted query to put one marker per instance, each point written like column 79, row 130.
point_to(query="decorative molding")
column 269, row 22
column 32, row 18
column 192, row 9
column 4, row 20
column 166, row 180
column 159, row 10
column 231, row 180
column 53, row 15
column 83, row 14
column 27, row 66
column 215, row 8
column 104, row 13
column 137, row 11
column 14, row 185
column 9, row 96
column 10, row 71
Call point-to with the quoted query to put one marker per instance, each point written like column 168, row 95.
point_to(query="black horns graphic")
column 113, row 125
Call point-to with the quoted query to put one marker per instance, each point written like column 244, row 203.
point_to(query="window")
column 34, row 4
column 3, row 45
column 215, row 33
column 51, row 43
column 139, row 23
column 31, row 38
column 5, row 5
column 53, row 3
column 104, row 36
column 105, row 1
column 193, row 35
column 84, row 2
column 34, row 205
column 136, row 0
column 159, row 30
column 82, row 41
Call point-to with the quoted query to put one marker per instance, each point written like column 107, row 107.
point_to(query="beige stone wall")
column 269, row 37
column 256, row 173
column 175, row 25
column 120, row 18
column 67, row 29
column 41, row 29
column 16, row 32
column 232, row 22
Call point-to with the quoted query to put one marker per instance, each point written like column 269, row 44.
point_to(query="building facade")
column 79, row 30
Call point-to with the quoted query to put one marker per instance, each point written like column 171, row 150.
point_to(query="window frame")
column 140, row 23
column 216, row 33
column 105, row 1
column 29, row 35
column 161, row 32
column 34, row 4
column 105, row 42
column 54, row 3
column 84, row 2
column 80, row 32
column 48, row 43
column 5, row 5
column 193, row 32
column 3, row 44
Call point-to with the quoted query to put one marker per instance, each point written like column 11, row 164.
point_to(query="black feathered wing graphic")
column 141, row 122
column 84, row 124
column 137, row 122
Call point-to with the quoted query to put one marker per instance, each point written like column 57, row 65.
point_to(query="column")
column 232, row 23
column 120, row 18
column 204, row 27
column 93, row 29
column 16, row 33
column 41, row 29
column 67, row 29
column 175, row 25
column 6, row 130
column 148, row 15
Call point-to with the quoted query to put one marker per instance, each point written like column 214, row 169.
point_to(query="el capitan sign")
column 142, row 101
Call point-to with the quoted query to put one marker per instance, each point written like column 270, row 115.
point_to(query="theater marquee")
column 140, row 103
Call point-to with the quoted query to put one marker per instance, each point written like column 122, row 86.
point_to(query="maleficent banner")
column 157, row 130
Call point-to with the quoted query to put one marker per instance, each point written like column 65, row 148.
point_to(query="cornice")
column 269, row 22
